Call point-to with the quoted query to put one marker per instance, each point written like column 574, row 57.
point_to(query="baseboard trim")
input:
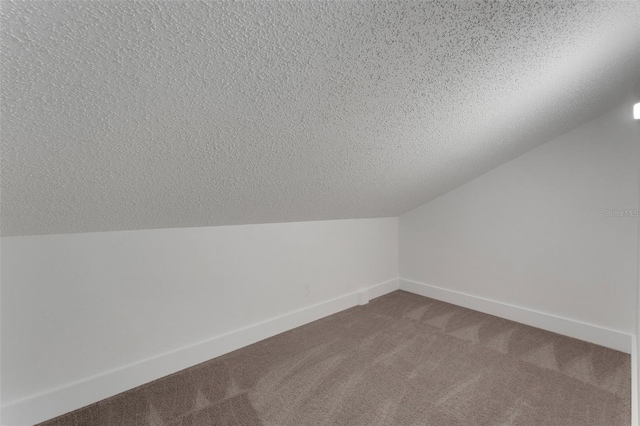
column 635, row 415
column 378, row 290
column 579, row 330
column 55, row 402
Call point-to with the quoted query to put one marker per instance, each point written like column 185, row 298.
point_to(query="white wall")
column 80, row 305
column 535, row 233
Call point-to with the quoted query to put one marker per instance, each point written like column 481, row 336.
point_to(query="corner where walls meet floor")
column 82, row 393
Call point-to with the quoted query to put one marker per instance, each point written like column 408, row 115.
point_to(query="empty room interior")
column 289, row 213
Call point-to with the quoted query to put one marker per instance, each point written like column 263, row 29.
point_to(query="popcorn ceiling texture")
column 134, row 115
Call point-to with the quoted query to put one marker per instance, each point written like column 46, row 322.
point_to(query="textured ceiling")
column 133, row 115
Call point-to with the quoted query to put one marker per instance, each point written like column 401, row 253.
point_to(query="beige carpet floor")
column 400, row 360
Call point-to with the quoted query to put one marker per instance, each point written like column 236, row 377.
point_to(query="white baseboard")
column 46, row 405
column 372, row 292
column 579, row 330
column 635, row 420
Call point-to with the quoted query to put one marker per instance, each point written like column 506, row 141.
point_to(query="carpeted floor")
column 400, row 360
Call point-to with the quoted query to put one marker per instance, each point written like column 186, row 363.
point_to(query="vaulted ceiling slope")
column 134, row 115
